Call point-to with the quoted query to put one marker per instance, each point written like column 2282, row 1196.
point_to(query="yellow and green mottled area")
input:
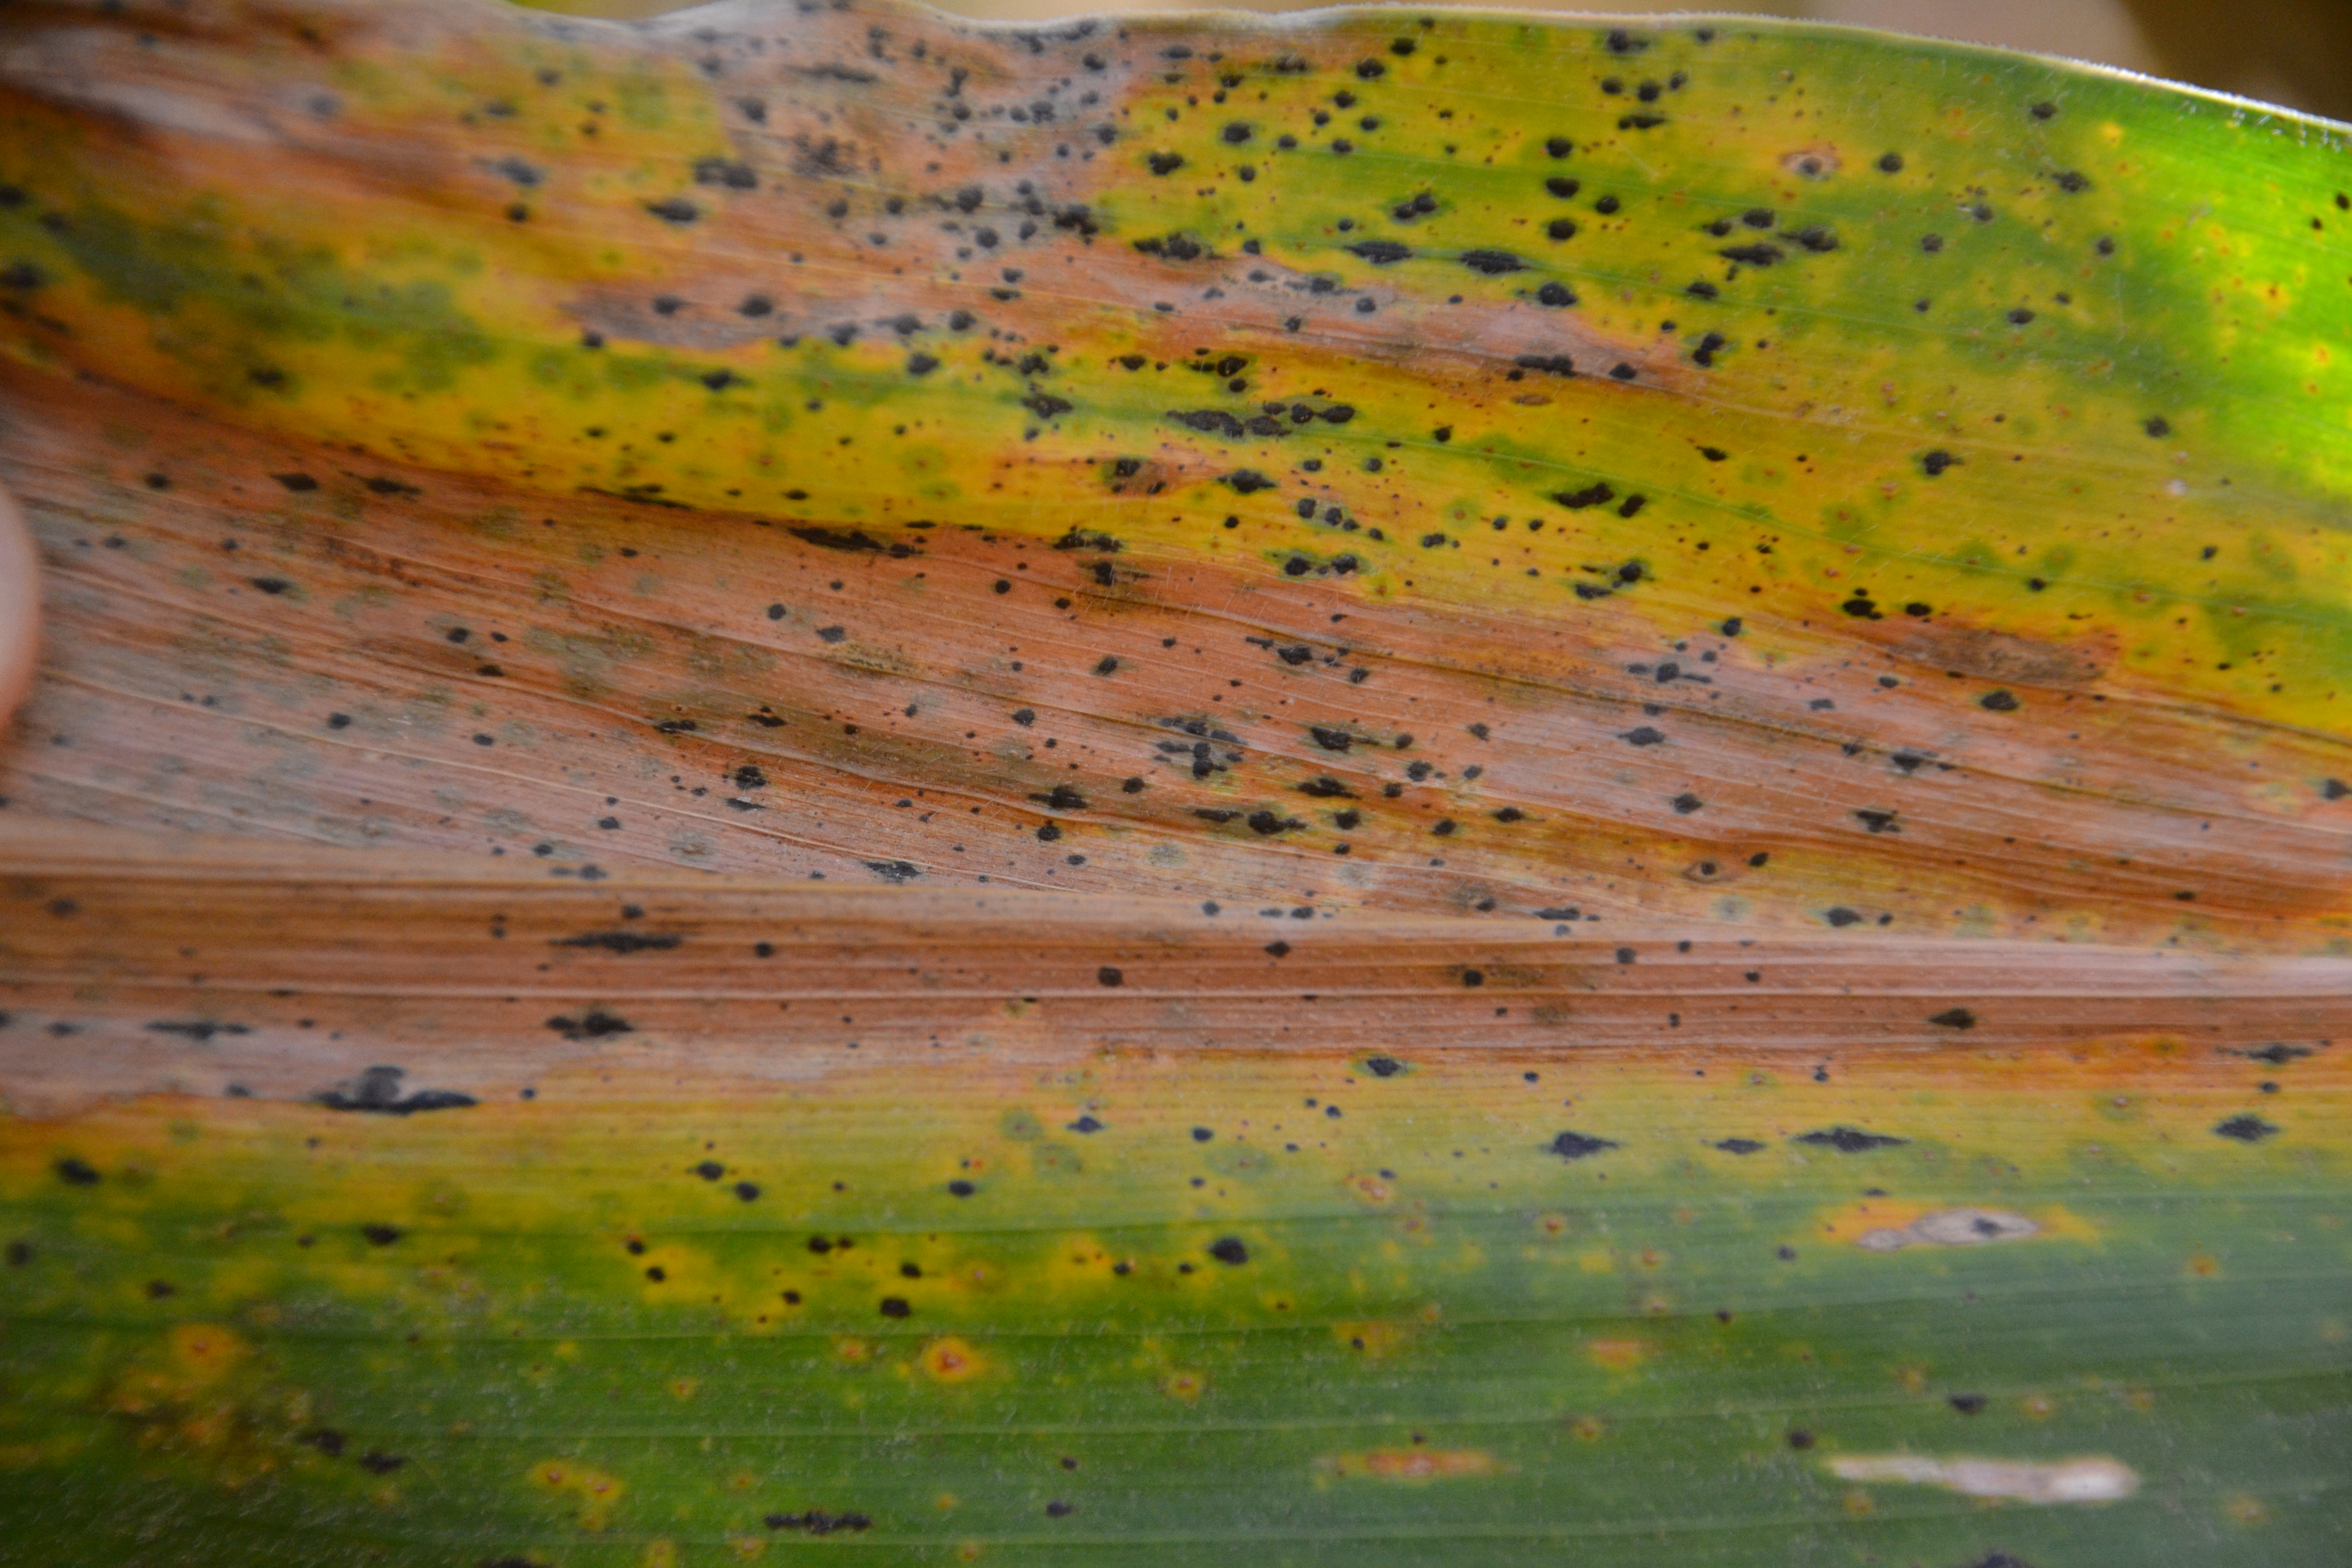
column 1705, row 316
column 1394, row 1309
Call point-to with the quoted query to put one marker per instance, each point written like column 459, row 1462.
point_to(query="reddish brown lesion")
column 195, row 965
column 2088, row 811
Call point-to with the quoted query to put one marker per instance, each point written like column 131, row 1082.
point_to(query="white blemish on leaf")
column 2093, row 1479
column 1950, row 1227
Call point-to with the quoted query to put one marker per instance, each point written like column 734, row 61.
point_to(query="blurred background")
column 2293, row 52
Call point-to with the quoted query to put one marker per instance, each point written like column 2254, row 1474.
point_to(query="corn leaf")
column 1399, row 787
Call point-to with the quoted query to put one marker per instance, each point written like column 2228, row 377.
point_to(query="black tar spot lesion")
column 1847, row 1140
column 378, row 1090
column 1579, row 1145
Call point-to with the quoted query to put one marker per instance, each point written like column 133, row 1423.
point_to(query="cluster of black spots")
column 2246, row 1129
column 592, row 1025
column 1229, row 1250
column 1176, row 248
column 1492, row 263
column 1933, row 464
column 1847, row 1140
column 1164, row 163
column 381, row 1235
column 674, row 209
column 1710, row 345
column 725, row 172
column 377, row 1091
column 1740, row 1146
column 1547, row 365
column 1890, row 164
column 622, row 941
column 894, row 870
column 1589, row 496
column 74, row 1172
column 1380, row 252
column 1248, row 481
column 2157, row 425
column 1419, row 205
column 1999, row 702
column 1555, row 295
column 1876, row 821
column 200, row 1031
column 1383, row 1067
column 1578, row 1145
column 817, row 1521
column 1759, row 254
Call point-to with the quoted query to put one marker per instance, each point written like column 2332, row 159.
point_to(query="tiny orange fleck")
column 1414, row 1463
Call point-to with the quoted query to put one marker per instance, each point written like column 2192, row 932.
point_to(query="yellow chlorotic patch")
column 951, row 1360
column 1617, row 1354
column 591, row 1492
column 202, row 1353
column 1376, row 1339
